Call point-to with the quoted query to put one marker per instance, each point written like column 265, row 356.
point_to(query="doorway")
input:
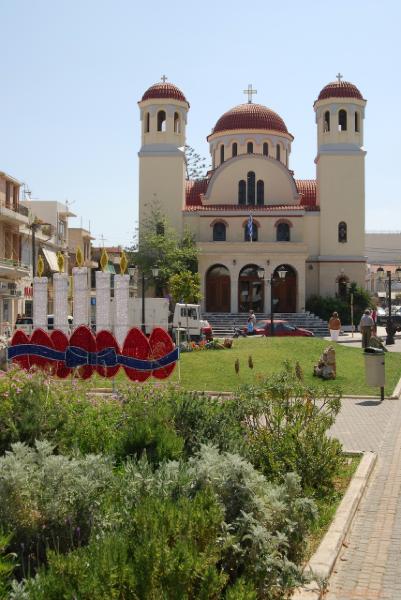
column 250, row 290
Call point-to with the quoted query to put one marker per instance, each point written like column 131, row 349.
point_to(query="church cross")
column 250, row 91
column 339, row 77
column 163, row 78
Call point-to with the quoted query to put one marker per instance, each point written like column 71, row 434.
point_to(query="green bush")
column 286, row 424
column 324, row 306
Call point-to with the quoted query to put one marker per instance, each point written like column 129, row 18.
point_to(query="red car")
column 281, row 328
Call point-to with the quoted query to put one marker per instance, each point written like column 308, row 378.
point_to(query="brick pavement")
column 369, row 567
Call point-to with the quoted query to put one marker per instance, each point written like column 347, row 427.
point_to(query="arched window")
column 249, row 147
column 326, row 123
column 342, row 232
column 265, row 149
column 278, row 151
column 283, row 232
column 177, row 124
column 221, row 154
column 147, row 122
column 219, row 232
column 242, row 192
column 254, row 232
column 260, row 193
column 342, row 286
column 161, row 120
column 251, row 187
column 342, row 120
column 234, row 149
column 357, row 122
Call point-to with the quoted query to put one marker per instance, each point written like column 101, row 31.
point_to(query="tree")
column 185, row 287
column 160, row 246
column 195, row 164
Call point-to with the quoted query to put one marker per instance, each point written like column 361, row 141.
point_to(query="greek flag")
column 250, row 227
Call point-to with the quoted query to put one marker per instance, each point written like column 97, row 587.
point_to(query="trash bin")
column 374, row 367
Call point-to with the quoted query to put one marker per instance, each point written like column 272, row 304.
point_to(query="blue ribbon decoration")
column 77, row 357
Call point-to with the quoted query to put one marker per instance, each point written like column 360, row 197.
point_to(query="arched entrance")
column 250, row 290
column 342, row 285
column 218, row 289
column 285, row 290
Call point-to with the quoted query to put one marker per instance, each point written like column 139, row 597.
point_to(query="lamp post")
column 281, row 273
column 390, row 329
column 155, row 272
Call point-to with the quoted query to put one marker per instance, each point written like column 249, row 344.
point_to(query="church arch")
column 284, row 292
column 250, row 290
column 342, row 120
column 265, row 149
column 342, row 232
column 177, row 123
column 283, row 230
column 249, row 148
column 260, row 192
column 326, row 122
column 234, row 149
column 342, row 286
column 218, row 289
column 242, row 192
column 278, row 152
column 161, row 120
column 219, row 231
column 147, row 122
column 357, row 121
column 221, row 154
column 250, row 181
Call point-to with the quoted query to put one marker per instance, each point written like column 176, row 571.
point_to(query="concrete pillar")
column 121, row 299
column 40, row 302
column 60, row 286
column 234, row 290
column 81, row 296
column 103, row 301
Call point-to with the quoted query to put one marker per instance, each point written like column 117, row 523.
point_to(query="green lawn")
column 213, row 370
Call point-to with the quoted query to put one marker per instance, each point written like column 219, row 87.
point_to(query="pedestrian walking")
column 334, row 326
column 366, row 326
column 251, row 322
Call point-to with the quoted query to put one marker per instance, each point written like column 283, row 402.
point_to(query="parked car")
column 281, row 328
column 26, row 323
column 50, row 322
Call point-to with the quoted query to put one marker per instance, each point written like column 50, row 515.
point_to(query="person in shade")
column 334, row 326
column 366, row 326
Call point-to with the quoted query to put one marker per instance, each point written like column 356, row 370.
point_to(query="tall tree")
column 195, row 164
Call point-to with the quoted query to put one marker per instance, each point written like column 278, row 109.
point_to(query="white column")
column 81, row 296
column 40, row 302
column 60, row 284
column 234, row 290
column 103, row 301
column 121, row 299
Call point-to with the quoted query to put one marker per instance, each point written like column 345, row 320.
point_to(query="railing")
column 11, row 262
column 19, row 209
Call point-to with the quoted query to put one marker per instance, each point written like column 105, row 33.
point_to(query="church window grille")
column 161, row 120
column 249, row 147
column 221, row 154
column 251, row 187
column 219, row 232
column 278, row 152
column 283, row 232
column 265, row 149
column 357, row 122
column 177, row 124
column 234, row 149
column 147, row 123
column 242, row 192
column 260, row 193
column 254, row 232
column 326, row 124
column 342, row 120
column 342, row 232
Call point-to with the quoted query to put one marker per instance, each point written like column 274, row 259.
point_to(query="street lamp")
column 390, row 329
column 281, row 273
column 155, row 272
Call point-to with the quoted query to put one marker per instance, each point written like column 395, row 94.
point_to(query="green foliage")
column 286, row 424
column 324, row 306
column 195, row 164
column 185, row 287
column 7, row 564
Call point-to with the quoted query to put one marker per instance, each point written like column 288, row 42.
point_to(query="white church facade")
column 250, row 214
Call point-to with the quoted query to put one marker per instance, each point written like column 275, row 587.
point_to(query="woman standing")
column 334, row 327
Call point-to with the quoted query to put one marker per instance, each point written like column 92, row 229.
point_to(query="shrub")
column 324, row 306
column 286, row 424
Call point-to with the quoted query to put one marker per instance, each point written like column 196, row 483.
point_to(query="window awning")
column 51, row 258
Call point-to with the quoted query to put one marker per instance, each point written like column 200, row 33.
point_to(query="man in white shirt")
column 366, row 326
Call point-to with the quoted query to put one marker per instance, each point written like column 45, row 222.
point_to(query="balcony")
column 13, row 269
column 8, row 214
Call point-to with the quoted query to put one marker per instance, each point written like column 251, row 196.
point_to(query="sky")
column 73, row 71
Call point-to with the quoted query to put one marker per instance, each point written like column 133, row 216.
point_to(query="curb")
column 323, row 561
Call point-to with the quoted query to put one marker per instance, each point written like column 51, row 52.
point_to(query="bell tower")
column 340, row 175
column 163, row 112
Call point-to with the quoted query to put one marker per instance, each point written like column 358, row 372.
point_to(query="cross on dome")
column 250, row 91
column 163, row 78
column 339, row 77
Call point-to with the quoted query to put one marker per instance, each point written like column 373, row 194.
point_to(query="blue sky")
column 73, row 71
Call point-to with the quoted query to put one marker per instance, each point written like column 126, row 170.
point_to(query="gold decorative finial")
column 79, row 259
column 40, row 266
column 123, row 262
column 60, row 262
column 104, row 260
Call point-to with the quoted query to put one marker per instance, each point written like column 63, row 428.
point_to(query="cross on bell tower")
column 250, row 92
column 163, row 78
column 339, row 77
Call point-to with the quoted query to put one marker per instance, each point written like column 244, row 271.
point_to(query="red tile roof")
column 250, row 116
column 164, row 90
column 245, row 207
column 307, row 187
column 340, row 89
column 193, row 190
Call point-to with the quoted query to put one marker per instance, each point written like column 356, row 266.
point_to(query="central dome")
column 250, row 116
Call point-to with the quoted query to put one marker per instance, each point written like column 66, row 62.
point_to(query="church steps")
column 223, row 323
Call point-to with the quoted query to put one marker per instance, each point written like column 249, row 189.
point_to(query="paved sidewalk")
column 369, row 567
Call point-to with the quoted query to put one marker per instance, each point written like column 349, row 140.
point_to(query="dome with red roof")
column 250, row 116
column 164, row 90
column 340, row 89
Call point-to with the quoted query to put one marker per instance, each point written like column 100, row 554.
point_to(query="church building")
column 251, row 217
